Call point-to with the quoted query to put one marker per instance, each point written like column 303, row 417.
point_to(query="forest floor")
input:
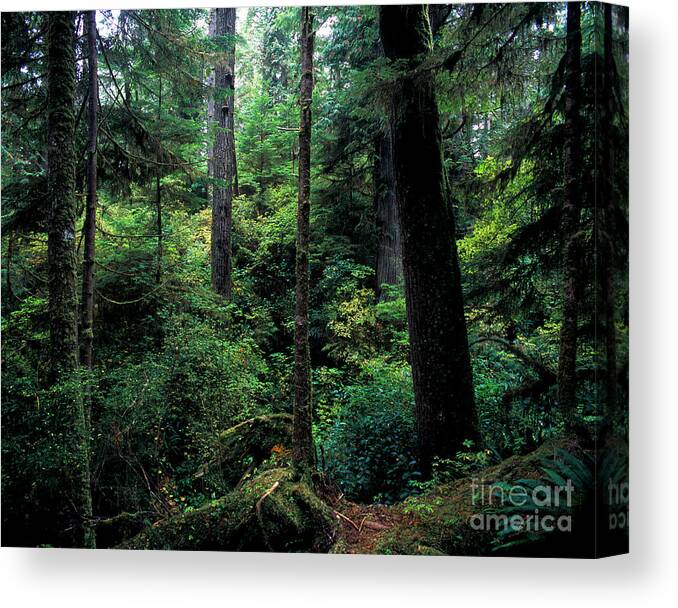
column 436, row 522
column 362, row 526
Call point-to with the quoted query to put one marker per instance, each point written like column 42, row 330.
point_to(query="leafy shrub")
column 159, row 416
column 361, row 329
column 369, row 449
column 465, row 463
column 510, row 425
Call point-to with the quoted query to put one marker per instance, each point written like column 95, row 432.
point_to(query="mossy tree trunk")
column 231, row 161
column 223, row 150
column 68, row 417
column 211, row 116
column 439, row 353
column 571, row 215
column 303, row 451
column 158, row 202
column 89, row 228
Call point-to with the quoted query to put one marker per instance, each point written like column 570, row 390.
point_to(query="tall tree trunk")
column 211, row 116
column 68, row 416
column 232, row 165
column 223, row 164
column 571, row 212
column 158, row 227
column 158, row 203
column 441, row 367
column 89, row 228
column 389, row 248
column 304, row 455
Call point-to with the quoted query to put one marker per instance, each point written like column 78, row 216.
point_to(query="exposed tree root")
column 272, row 512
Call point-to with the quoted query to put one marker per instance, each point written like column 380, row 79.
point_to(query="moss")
column 438, row 523
column 68, row 417
column 244, row 447
column 278, row 511
column 272, row 512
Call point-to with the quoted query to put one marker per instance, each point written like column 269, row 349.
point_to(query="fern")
column 557, row 471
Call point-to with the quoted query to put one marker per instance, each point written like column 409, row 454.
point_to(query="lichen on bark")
column 68, row 418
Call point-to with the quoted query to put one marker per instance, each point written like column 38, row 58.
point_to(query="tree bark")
column 223, row 155
column 211, row 116
column 158, row 228
column 571, row 212
column 389, row 247
column 89, row 228
column 303, row 452
column 439, row 353
column 67, row 417
column 158, row 203
column 230, row 150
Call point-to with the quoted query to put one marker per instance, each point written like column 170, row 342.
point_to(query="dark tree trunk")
column 571, row 212
column 158, row 204
column 441, row 367
column 61, row 184
column 211, row 116
column 223, row 155
column 89, row 228
column 232, row 165
column 389, row 248
column 158, row 227
column 304, row 455
column 68, row 416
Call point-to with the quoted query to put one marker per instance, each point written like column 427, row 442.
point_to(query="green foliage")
column 513, row 424
column 175, row 366
column 369, row 447
column 161, row 413
column 359, row 328
column 444, row 471
column 265, row 142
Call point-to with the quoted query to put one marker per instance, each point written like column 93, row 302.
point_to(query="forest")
column 308, row 279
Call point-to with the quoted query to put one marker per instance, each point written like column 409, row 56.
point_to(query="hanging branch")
column 519, row 353
column 148, row 161
column 15, row 85
column 135, row 301
column 176, row 161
